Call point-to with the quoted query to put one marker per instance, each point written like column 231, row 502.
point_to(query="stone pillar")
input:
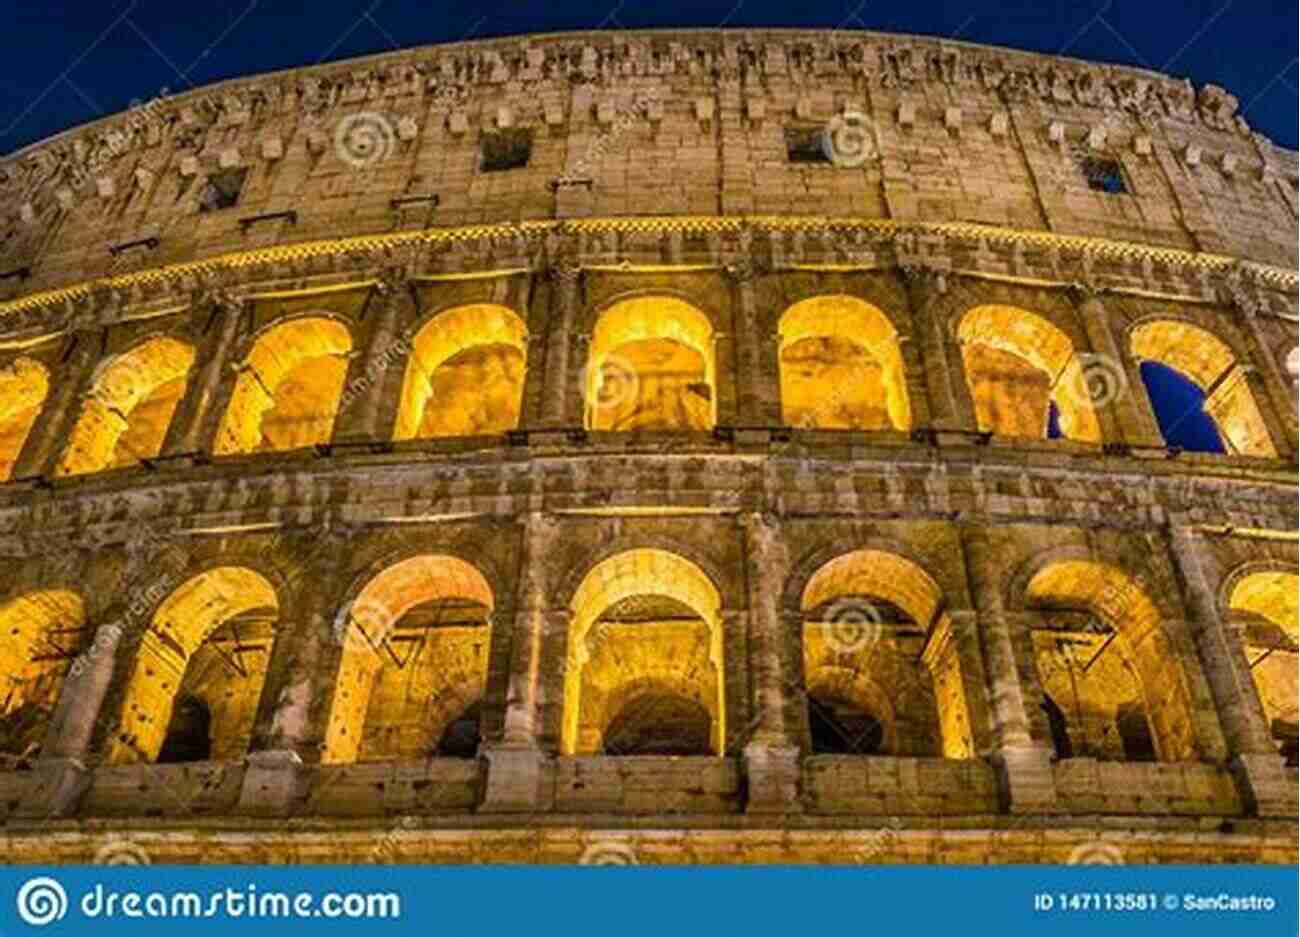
column 950, row 403
column 517, row 763
column 953, row 657
column 196, row 425
column 301, row 678
column 53, row 425
column 61, row 770
column 1024, row 765
column 362, row 405
column 559, row 381
column 1134, row 422
column 1274, row 386
column 772, row 752
column 754, row 407
column 1253, row 758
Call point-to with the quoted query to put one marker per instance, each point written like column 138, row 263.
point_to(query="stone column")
column 301, row 679
column 1275, row 387
column 772, row 751
column 952, row 655
column 1134, row 422
column 1024, row 765
column 60, row 775
column 950, row 403
column 361, row 408
column 1254, row 760
column 559, row 381
column 516, row 764
column 754, row 406
column 53, row 426
column 197, row 425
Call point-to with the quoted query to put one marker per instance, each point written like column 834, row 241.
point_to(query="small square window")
column 222, row 190
column 804, row 145
column 505, row 149
column 1103, row 174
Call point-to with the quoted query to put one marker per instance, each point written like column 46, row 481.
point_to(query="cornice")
column 640, row 242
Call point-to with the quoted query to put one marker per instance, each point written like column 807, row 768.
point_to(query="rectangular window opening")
column 1104, row 174
column 804, row 145
column 502, row 150
column 222, row 190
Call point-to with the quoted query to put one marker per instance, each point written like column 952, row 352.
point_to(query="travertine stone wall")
column 339, row 570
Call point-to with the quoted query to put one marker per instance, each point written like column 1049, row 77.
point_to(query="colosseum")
column 661, row 447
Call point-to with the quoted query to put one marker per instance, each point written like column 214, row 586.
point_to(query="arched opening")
column 130, row 406
column 1017, row 365
column 189, row 733
column 841, row 367
column 199, row 670
column 465, row 375
column 40, row 633
column 870, row 688
column 24, row 384
column 651, row 366
column 644, row 659
column 1108, row 664
column 414, row 664
column 1224, row 393
column 1270, row 604
column 462, row 737
column 288, row 389
column 1058, row 726
column 659, row 723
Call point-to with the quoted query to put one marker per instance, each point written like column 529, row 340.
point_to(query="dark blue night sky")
column 66, row 63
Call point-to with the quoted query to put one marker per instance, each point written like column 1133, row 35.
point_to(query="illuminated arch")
column 39, row 632
column 130, row 405
column 841, row 367
column 287, row 393
column 1121, row 604
column 24, row 384
column 889, row 603
column 210, row 639
column 465, row 374
column 1209, row 363
column 394, row 696
column 1275, row 597
column 681, row 656
column 1018, row 364
column 651, row 366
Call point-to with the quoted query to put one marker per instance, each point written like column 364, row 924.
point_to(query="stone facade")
column 509, row 450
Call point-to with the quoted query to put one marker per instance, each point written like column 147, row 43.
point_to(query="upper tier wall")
column 650, row 123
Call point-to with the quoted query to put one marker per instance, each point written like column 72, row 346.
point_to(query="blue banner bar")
column 646, row 901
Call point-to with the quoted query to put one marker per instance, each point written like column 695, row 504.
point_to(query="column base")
column 515, row 780
column 57, row 786
column 1265, row 789
column 270, row 783
column 773, row 773
column 1026, row 780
